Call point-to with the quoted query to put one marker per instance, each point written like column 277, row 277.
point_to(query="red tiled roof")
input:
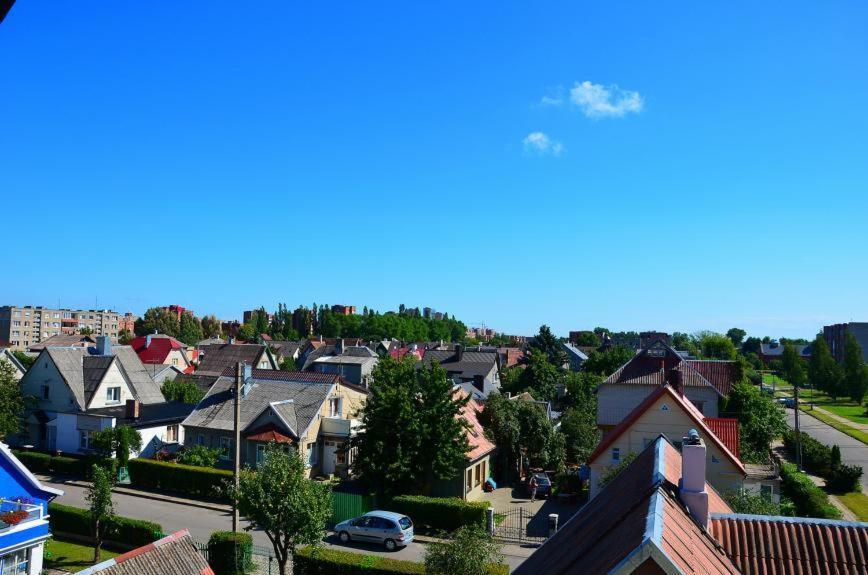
column 725, row 428
column 268, row 432
column 174, row 554
column 479, row 444
column 400, row 352
column 771, row 545
column 721, row 374
column 158, row 350
column 685, row 405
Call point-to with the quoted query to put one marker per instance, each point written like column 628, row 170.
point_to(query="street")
column 853, row 451
column 202, row 522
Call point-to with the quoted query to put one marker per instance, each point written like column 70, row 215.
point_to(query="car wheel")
column 344, row 537
column 390, row 545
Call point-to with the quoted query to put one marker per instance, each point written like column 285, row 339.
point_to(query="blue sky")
column 674, row 166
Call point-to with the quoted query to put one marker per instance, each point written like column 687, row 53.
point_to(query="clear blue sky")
column 636, row 165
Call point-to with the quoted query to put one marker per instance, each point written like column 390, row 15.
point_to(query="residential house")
column 158, row 424
column 17, row 367
column 475, row 371
column 774, row 351
column 669, row 413
column 413, row 349
column 284, row 350
column 352, row 362
column 161, row 373
column 69, row 383
column 312, row 412
column 469, row 483
column 217, row 359
column 164, row 350
column 661, row 516
column 703, row 382
column 320, row 347
column 22, row 543
column 836, row 334
column 575, row 356
column 175, row 554
column 64, row 340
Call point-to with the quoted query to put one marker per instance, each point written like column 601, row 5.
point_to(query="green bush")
column 74, row 520
column 35, row 462
column 809, row 500
column 185, row 479
column 816, row 456
column 443, row 513
column 844, row 478
column 68, row 466
column 230, row 553
column 199, row 456
column 320, row 561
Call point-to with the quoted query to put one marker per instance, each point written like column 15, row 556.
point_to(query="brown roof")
column 760, row 544
column 721, row 374
column 171, row 555
column 217, row 357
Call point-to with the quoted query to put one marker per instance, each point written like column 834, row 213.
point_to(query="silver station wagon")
column 392, row 530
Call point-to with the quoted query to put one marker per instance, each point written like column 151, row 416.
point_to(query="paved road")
column 853, row 451
column 202, row 522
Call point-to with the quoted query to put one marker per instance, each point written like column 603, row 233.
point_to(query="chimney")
column 675, row 381
column 230, row 340
column 692, row 485
column 248, row 372
column 148, row 341
column 133, row 408
column 459, row 352
column 339, row 346
column 479, row 382
column 103, row 345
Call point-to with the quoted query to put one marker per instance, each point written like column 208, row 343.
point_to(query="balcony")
column 339, row 427
column 15, row 514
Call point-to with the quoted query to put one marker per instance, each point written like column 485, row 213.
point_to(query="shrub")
column 809, row 500
column 36, row 462
column 320, row 561
column 199, row 456
column 68, row 466
column 186, row 479
column 444, row 513
column 743, row 501
column 132, row 532
column 844, row 478
column 230, row 553
column 816, row 457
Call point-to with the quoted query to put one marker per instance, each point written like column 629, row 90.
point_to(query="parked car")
column 543, row 485
column 789, row 402
column 392, row 530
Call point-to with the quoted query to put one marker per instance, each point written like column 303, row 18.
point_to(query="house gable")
column 44, row 371
column 113, row 378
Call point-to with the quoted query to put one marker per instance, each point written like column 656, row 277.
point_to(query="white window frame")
column 16, row 562
column 110, row 393
column 225, row 451
column 340, row 406
column 85, row 439
column 312, row 454
column 260, row 454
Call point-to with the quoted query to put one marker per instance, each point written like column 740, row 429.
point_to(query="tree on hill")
column 855, row 371
column 546, row 342
column 432, row 443
column 211, row 327
column 588, row 339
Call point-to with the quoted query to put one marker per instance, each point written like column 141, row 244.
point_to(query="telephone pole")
column 236, row 467
column 798, row 433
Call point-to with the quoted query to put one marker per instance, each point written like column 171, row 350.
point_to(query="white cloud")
column 539, row 143
column 598, row 101
column 554, row 98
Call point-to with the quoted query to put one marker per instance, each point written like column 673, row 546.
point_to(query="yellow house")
column 667, row 412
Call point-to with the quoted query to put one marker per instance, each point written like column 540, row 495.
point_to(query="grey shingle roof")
column 143, row 384
column 172, row 555
column 217, row 357
column 93, row 369
column 216, row 410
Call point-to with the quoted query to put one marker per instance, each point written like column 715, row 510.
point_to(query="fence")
column 262, row 559
column 348, row 505
column 520, row 525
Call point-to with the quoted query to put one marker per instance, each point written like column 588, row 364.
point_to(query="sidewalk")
column 838, row 418
column 143, row 494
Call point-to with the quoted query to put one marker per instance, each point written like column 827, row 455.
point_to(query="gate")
column 349, row 505
column 519, row 525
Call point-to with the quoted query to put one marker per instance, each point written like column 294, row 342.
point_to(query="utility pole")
column 236, row 467
column 798, row 433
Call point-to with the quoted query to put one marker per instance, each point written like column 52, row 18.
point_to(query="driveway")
column 853, row 451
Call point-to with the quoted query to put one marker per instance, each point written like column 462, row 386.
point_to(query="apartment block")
column 21, row 327
column 835, row 335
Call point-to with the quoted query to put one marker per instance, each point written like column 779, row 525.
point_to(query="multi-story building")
column 21, row 327
column 344, row 309
column 835, row 335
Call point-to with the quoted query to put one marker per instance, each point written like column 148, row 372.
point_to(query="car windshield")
column 542, row 479
column 405, row 522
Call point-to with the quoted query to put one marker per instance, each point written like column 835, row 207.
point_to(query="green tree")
column 158, row 320
column 606, row 362
column 579, row 426
column 468, row 551
column 432, row 443
column 588, row 339
column 716, row 346
column 24, row 359
column 743, row 501
column 85, row 331
column 539, row 377
column 12, row 402
column 99, row 500
column 793, row 367
column 125, row 337
column 182, row 389
column 199, row 456
column 189, row 329
column 279, row 499
column 119, row 441
column 736, row 336
column 211, row 326
column 823, row 371
column 546, row 342
column 760, row 421
column 752, row 345
column 581, row 388
column 260, row 320
column 855, row 372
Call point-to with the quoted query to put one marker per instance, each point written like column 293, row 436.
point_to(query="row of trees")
column 186, row 328
column 849, row 378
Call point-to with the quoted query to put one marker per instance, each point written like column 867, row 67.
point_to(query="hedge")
column 74, row 520
column 844, row 478
column 61, row 465
column 322, row 561
column 444, row 513
column 230, row 553
column 816, row 456
column 36, row 462
column 204, row 482
column 808, row 498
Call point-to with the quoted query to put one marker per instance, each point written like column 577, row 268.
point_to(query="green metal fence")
column 348, row 505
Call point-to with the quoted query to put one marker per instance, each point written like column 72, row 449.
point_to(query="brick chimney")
column 459, row 352
column 675, row 381
column 692, row 485
column 133, row 409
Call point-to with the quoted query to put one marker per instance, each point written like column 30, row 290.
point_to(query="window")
column 766, row 491
column 200, row 439
column 46, row 392
column 172, row 433
column 260, row 454
column 335, row 407
column 84, row 439
column 174, row 361
column 263, row 364
column 484, row 470
column 16, row 323
column 700, row 405
column 225, row 447
column 14, row 563
column 113, row 395
column 311, row 454
column 477, row 475
column 616, row 455
column 714, row 459
column 469, row 479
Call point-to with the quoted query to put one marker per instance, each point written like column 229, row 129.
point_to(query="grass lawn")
column 775, row 380
column 857, row 434
column 857, row 502
column 70, row 556
column 842, row 406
